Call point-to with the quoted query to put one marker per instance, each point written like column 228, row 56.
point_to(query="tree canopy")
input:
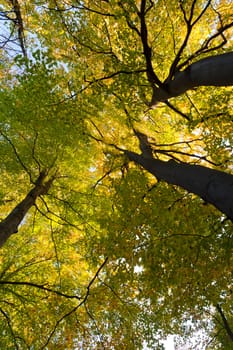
column 116, row 174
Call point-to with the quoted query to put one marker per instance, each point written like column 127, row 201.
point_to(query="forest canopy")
column 116, row 174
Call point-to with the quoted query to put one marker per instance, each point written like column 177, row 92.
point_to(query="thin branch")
column 16, row 154
column 110, row 42
column 65, row 221
column 96, row 127
column 225, row 322
column 129, row 22
column 183, row 115
column 77, row 39
column 96, row 81
column 95, row 11
column 110, row 76
column 205, row 46
column 96, row 326
column 191, row 155
column 172, row 25
column 178, row 143
column 102, row 178
column 41, row 287
column 189, row 25
column 202, row 12
column 83, row 7
column 189, row 28
column 152, row 77
column 192, row 103
column 68, row 204
column 58, row 264
column 215, row 336
column 215, row 115
column 186, row 38
column 76, row 307
column 9, row 273
column 9, row 326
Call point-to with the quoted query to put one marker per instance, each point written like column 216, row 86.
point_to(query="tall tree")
column 116, row 143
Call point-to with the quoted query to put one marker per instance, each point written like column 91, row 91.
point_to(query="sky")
column 169, row 343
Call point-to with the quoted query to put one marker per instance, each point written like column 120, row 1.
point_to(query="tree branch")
column 10, row 327
column 210, row 71
column 225, row 322
column 74, row 309
column 41, row 287
column 213, row 186
column 19, row 23
column 152, row 77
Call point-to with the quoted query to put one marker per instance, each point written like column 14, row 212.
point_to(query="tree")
column 118, row 248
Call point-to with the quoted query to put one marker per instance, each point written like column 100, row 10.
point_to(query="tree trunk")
column 213, row 186
column 11, row 223
column 210, row 71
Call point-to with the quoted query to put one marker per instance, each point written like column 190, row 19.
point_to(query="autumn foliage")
column 116, row 174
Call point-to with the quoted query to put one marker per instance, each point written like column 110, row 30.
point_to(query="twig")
column 76, row 307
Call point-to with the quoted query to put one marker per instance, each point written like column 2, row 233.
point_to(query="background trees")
column 109, row 256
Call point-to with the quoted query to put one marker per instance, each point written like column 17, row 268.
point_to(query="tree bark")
column 210, row 71
column 11, row 223
column 213, row 186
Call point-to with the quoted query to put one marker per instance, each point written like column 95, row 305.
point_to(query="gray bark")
column 213, row 186
column 11, row 223
column 210, row 71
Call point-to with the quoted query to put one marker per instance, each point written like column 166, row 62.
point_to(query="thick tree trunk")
column 213, row 186
column 11, row 223
column 210, row 71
